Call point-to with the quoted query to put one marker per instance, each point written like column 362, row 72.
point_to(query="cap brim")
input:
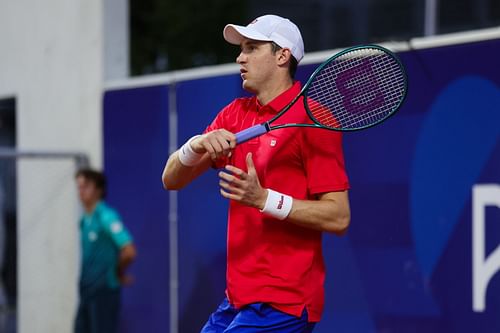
column 235, row 34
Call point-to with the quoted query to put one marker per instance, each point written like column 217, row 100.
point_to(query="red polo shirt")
column 269, row 260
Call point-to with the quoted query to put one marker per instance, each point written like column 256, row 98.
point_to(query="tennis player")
column 285, row 188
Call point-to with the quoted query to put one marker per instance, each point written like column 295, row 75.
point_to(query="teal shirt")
column 102, row 236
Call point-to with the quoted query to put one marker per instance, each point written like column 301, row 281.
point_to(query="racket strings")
column 360, row 97
column 351, row 116
column 357, row 89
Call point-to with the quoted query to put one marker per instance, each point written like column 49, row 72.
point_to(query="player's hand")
column 217, row 143
column 241, row 186
column 125, row 279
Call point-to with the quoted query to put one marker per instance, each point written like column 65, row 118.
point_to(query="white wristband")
column 277, row 205
column 187, row 156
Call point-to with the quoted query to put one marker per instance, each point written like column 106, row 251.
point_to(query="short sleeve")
column 114, row 227
column 324, row 161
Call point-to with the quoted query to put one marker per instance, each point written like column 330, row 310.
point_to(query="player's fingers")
column 225, row 194
column 225, row 186
column 224, row 142
column 226, row 146
column 214, row 147
column 250, row 165
column 229, row 195
column 237, row 171
column 224, row 137
column 230, row 138
column 231, row 179
column 230, row 188
column 210, row 150
column 217, row 143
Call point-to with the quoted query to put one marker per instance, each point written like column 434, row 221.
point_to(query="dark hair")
column 292, row 69
column 96, row 177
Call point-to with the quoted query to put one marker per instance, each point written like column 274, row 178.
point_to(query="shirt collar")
column 282, row 100
column 98, row 207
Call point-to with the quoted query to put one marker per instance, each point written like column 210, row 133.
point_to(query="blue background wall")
column 406, row 263
column 135, row 126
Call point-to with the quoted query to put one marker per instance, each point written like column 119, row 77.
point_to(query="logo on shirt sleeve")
column 116, row 227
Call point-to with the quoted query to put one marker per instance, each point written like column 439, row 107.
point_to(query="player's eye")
column 248, row 48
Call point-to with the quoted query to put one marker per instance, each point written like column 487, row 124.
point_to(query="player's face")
column 257, row 65
column 88, row 192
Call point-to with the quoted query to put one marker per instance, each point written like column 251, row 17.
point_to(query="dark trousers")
column 99, row 313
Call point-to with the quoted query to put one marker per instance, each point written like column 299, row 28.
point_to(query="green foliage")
column 175, row 34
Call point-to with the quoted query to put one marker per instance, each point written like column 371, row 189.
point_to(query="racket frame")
column 265, row 127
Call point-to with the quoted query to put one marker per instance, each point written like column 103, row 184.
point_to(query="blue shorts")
column 253, row 318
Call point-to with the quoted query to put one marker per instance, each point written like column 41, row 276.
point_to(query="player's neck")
column 269, row 93
column 89, row 207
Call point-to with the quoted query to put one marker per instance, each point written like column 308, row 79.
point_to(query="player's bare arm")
column 176, row 175
column 330, row 213
column 212, row 146
column 127, row 255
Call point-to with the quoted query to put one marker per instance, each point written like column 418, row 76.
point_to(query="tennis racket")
column 355, row 89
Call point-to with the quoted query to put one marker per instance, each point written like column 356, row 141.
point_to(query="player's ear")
column 284, row 56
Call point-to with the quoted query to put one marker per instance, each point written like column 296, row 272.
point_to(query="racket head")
column 357, row 88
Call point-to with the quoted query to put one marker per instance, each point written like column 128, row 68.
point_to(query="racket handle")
column 251, row 133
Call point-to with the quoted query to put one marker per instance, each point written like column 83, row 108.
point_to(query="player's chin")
column 248, row 86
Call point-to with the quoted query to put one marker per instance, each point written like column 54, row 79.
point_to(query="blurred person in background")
column 285, row 189
column 107, row 251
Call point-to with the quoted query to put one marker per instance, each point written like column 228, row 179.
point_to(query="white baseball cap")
column 271, row 28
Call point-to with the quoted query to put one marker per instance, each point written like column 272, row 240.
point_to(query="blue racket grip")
column 251, row 133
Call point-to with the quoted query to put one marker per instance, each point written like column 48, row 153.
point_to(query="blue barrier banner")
column 135, row 127
column 422, row 253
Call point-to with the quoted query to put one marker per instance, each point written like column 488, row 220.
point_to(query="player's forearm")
column 126, row 257
column 324, row 215
column 176, row 175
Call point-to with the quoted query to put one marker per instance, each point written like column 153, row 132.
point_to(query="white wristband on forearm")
column 187, row 156
column 277, row 205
